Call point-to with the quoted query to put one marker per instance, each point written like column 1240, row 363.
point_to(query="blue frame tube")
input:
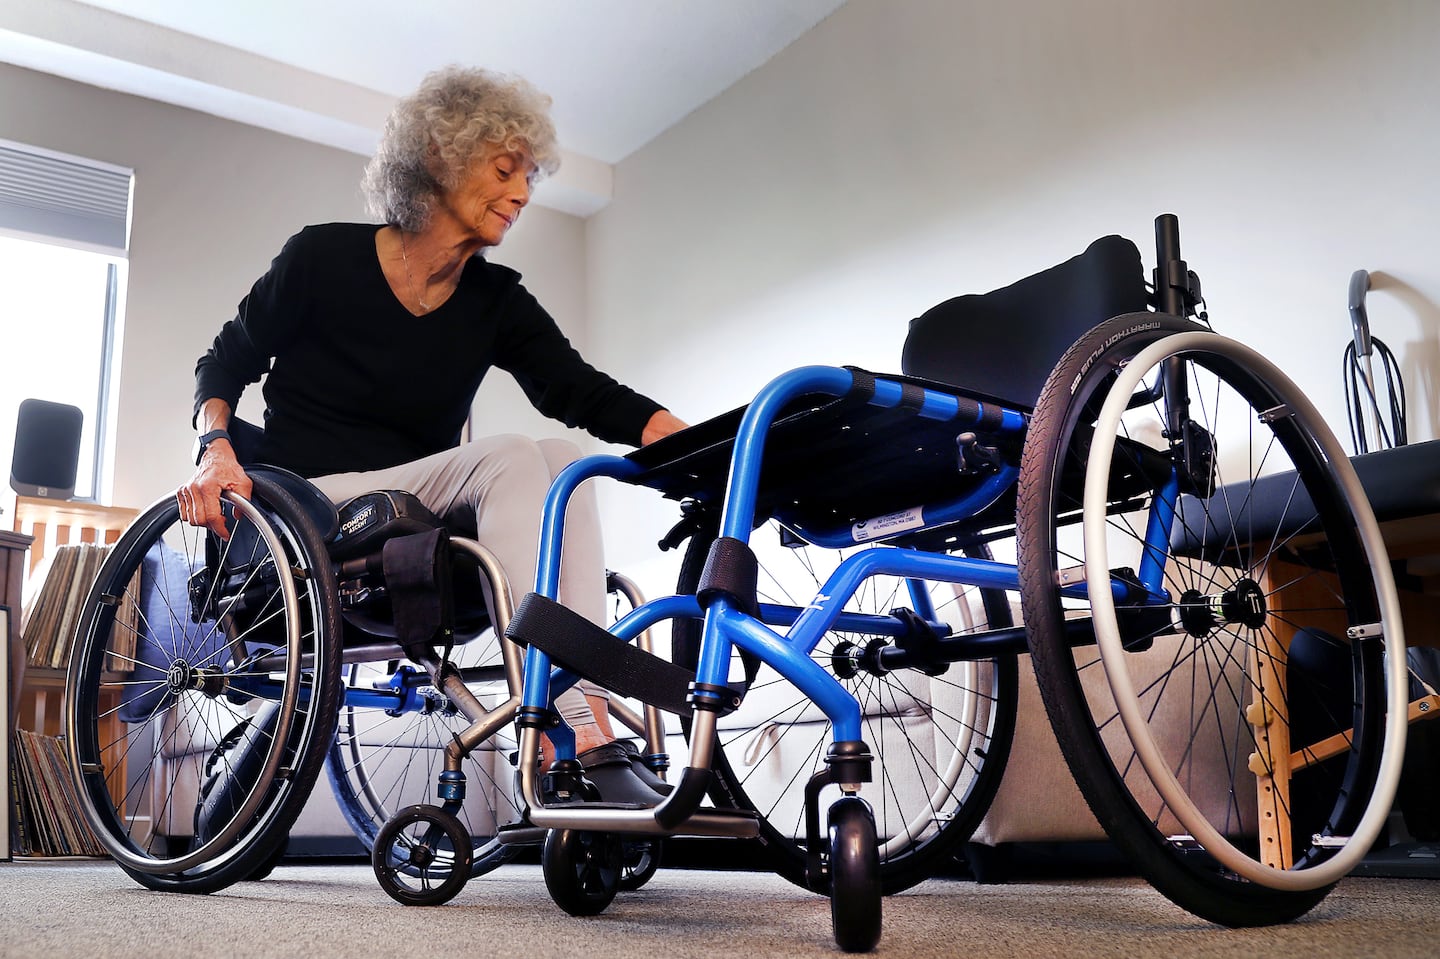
column 1157, row 536
column 794, row 664
column 920, row 600
column 738, row 516
column 820, row 616
column 547, row 569
column 688, row 607
column 537, row 673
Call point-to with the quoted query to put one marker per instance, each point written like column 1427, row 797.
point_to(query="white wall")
column 904, row 152
column 214, row 201
column 900, row 153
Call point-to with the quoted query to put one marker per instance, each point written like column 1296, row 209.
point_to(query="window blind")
column 67, row 198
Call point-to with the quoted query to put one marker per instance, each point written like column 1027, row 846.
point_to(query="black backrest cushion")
column 1006, row 342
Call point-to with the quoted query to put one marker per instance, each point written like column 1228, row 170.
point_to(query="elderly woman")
column 375, row 338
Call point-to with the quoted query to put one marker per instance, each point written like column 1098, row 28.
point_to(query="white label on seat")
column 887, row 525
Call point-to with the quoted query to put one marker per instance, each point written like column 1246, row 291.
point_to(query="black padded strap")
column 418, row 578
column 577, row 644
column 912, row 397
column 862, row 385
column 986, row 417
column 731, row 571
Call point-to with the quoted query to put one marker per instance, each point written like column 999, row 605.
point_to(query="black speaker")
column 47, row 449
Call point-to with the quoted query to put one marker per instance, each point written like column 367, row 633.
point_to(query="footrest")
column 721, row 824
column 580, row 646
column 520, row 833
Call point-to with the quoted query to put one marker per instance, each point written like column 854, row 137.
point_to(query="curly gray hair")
column 432, row 136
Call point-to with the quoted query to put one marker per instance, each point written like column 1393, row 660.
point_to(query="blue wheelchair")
column 1200, row 585
column 1204, row 593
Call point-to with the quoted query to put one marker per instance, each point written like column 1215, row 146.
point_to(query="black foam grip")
column 912, row 397
column 862, row 383
column 731, row 571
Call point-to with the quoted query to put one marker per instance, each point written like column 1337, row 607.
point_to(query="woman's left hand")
column 662, row 424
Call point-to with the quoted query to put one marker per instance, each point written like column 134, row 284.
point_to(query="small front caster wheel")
column 582, row 869
column 640, row 861
column 422, row 856
column 854, row 875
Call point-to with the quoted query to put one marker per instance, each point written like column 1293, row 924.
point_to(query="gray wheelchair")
column 214, row 681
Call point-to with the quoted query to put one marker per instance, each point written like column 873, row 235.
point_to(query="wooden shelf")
column 41, row 525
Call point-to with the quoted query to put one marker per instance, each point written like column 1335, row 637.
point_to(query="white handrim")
column 1112, row 651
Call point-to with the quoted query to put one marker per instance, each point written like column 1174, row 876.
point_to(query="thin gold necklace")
column 409, row 282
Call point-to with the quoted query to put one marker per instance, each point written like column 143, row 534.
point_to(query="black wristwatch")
column 207, row 439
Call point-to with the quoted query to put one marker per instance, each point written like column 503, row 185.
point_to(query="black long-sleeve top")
column 356, row 382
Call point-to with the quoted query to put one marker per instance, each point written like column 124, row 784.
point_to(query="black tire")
column 582, row 869
column 421, row 857
column 972, row 707
column 268, row 865
column 855, row 897
column 1195, row 683
column 158, row 703
column 384, row 759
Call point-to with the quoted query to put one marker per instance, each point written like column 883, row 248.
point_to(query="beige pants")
column 494, row 489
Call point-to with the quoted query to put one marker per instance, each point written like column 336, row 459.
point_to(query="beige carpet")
column 93, row 911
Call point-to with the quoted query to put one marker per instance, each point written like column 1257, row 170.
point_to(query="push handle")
column 1172, row 292
column 1359, row 320
column 1172, row 279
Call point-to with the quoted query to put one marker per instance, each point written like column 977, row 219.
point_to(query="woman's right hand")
column 218, row 471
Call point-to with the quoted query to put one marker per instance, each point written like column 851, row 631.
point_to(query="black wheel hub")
column 178, row 677
column 182, row 677
column 1244, row 602
column 848, row 660
column 421, row 855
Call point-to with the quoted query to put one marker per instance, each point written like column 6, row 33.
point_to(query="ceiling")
column 620, row 71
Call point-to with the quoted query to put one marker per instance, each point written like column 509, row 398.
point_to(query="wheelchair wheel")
column 421, row 857
column 202, row 691
column 582, row 869
column 1232, row 736
column 940, row 742
column 390, row 756
column 855, row 898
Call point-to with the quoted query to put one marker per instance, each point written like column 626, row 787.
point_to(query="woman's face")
column 490, row 195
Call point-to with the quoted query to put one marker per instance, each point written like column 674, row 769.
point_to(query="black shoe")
column 643, row 771
column 610, row 768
